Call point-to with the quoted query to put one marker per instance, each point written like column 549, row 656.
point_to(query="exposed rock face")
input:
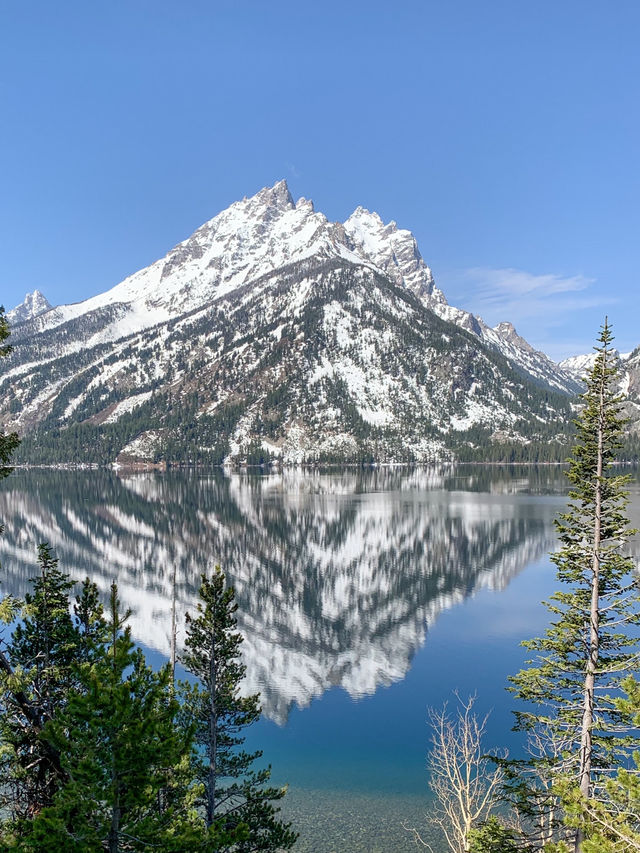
column 392, row 250
column 507, row 332
column 272, row 327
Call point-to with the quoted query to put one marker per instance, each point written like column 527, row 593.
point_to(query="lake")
column 365, row 597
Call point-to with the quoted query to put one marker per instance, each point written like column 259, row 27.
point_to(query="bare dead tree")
column 465, row 783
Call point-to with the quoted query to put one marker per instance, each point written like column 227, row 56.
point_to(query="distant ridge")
column 629, row 365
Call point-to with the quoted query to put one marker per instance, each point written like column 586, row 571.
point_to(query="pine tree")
column 235, row 798
column 92, row 628
column 122, row 755
column 493, row 837
column 36, row 674
column 588, row 649
column 612, row 822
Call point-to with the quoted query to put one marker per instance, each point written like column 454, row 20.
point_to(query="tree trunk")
column 586, row 737
column 113, row 840
column 213, row 726
column 114, row 831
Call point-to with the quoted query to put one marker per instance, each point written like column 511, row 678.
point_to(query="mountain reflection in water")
column 338, row 576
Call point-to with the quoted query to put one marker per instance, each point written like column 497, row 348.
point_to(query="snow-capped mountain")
column 629, row 366
column 275, row 329
column 338, row 577
column 33, row 305
column 396, row 252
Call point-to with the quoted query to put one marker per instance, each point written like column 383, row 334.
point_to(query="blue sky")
column 503, row 134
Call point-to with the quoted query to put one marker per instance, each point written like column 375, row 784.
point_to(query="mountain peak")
column 270, row 296
column 362, row 213
column 394, row 250
column 507, row 331
column 305, row 203
column 249, row 240
column 34, row 303
column 277, row 196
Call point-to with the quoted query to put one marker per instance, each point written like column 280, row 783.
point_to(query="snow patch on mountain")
column 578, row 365
column 127, row 405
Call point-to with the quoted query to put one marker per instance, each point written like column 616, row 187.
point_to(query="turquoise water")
column 378, row 744
column 365, row 598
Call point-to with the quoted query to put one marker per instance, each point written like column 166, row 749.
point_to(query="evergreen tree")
column 587, row 651
column 91, row 626
column 493, row 837
column 613, row 821
column 36, row 673
column 122, row 754
column 234, row 797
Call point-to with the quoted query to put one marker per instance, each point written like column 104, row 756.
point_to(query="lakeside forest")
column 100, row 752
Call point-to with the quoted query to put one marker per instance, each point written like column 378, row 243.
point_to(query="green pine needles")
column 99, row 752
column 120, row 753
column 234, row 796
column 572, row 685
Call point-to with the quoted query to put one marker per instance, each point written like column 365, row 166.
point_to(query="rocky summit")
column 34, row 304
column 273, row 334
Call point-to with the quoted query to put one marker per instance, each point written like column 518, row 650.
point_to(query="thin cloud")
column 494, row 286
column 550, row 310
column 519, row 296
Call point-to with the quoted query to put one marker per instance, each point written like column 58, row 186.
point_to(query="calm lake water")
column 364, row 598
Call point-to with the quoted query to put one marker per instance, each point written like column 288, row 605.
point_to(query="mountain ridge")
column 386, row 247
column 629, row 383
column 279, row 330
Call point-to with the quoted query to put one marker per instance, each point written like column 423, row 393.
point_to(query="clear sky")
column 504, row 134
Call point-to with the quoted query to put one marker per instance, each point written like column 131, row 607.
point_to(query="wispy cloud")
column 501, row 294
column 520, row 296
column 546, row 308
